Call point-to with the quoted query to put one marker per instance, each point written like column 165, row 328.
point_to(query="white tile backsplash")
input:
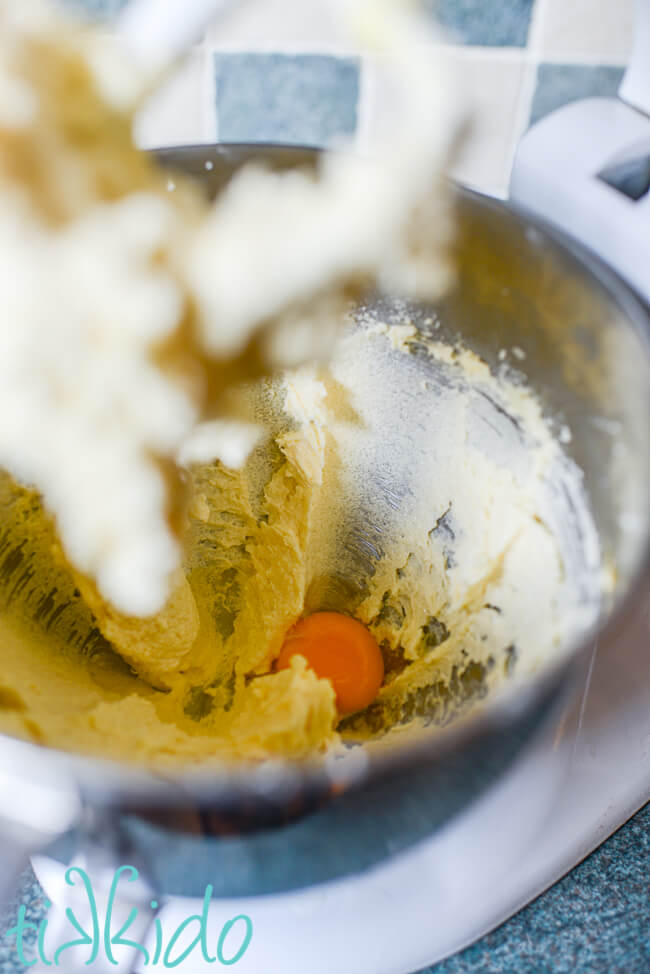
column 599, row 31
column 492, row 88
column 179, row 113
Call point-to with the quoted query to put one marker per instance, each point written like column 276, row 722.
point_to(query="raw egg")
column 340, row 649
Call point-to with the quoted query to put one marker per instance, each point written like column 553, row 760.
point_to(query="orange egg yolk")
column 339, row 649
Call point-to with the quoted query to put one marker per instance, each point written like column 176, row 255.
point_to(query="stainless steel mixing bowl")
column 584, row 339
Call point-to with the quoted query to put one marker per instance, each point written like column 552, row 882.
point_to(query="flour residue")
column 404, row 484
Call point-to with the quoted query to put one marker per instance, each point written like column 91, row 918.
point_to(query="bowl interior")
column 551, row 372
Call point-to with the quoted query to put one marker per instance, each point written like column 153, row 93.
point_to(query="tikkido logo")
column 163, row 951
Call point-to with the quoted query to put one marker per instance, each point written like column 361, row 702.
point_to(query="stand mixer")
column 461, row 862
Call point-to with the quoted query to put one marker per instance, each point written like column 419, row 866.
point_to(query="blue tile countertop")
column 526, row 58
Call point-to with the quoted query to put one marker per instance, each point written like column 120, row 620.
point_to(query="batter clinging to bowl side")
column 470, row 583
